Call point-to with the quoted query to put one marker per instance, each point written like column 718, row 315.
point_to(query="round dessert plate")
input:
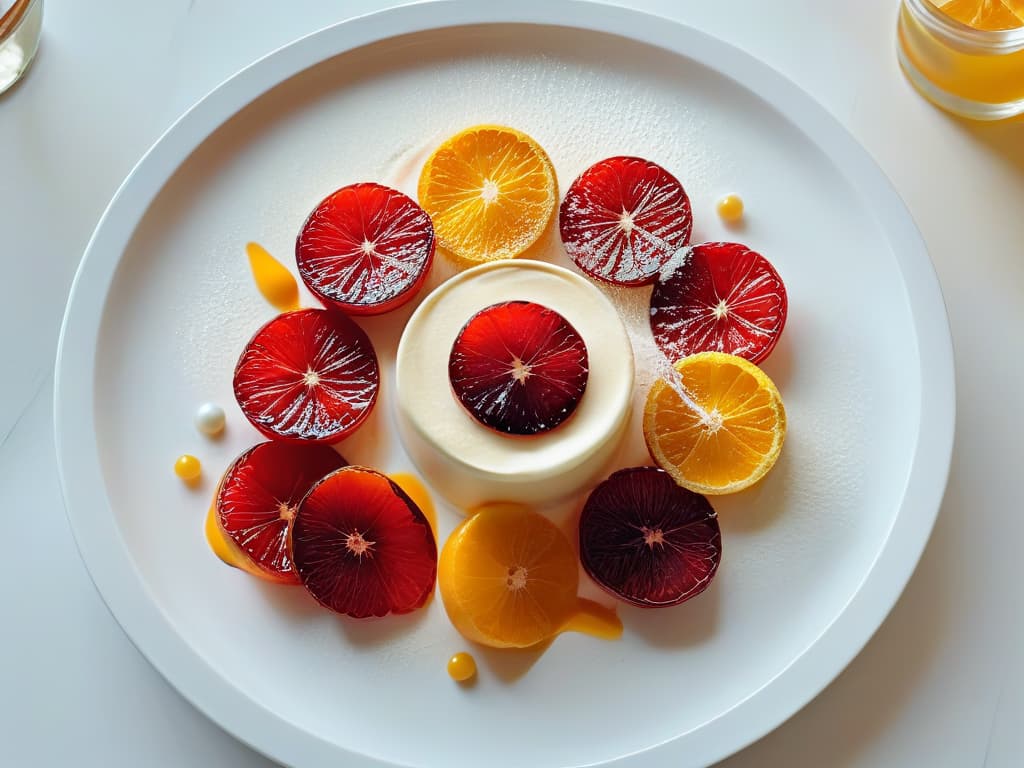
column 813, row 557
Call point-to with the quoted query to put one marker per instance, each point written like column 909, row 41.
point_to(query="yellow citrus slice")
column 490, row 191
column 719, row 428
column 508, row 577
column 985, row 14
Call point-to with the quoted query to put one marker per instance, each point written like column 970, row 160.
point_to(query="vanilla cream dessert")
column 470, row 463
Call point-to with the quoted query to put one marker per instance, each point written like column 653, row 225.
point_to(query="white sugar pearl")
column 210, row 419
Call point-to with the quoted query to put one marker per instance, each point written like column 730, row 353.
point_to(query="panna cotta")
column 470, row 463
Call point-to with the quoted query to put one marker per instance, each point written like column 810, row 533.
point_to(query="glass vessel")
column 974, row 72
column 20, row 25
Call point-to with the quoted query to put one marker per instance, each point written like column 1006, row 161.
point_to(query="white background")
column 941, row 684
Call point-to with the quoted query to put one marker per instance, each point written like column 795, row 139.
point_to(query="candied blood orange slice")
column 723, row 297
column 365, row 249
column 623, row 219
column 648, row 541
column 508, row 577
column 258, row 497
column 519, row 368
column 307, row 375
column 362, row 547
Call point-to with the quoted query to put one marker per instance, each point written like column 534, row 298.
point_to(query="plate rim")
column 89, row 511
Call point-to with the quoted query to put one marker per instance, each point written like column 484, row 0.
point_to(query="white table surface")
column 941, row 684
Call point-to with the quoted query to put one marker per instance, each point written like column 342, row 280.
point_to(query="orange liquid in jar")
column 973, row 51
column 988, row 15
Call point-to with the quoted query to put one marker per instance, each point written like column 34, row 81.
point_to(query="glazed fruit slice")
column 508, row 577
column 519, row 368
column 490, row 191
column 258, row 497
column 648, row 541
column 307, row 375
column 362, row 547
column 623, row 219
column 723, row 297
column 365, row 249
column 718, row 427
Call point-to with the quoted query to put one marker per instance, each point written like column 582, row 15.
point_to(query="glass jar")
column 20, row 27
column 978, row 74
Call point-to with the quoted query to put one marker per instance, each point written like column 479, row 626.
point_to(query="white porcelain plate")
column 814, row 556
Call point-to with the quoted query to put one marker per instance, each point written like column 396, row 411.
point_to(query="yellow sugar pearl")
column 462, row 667
column 730, row 208
column 187, row 467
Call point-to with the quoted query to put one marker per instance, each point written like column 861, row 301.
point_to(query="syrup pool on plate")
column 417, row 491
column 273, row 279
column 592, row 618
column 223, row 547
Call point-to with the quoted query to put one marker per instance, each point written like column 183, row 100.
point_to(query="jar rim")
column 11, row 19
column 963, row 36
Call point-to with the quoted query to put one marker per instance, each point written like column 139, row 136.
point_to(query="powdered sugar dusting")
column 633, row 306
column 678, row 260
column 609, row 116
column 624, row 218
column 210, row 341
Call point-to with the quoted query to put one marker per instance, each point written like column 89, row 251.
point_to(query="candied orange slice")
column 719, row 428
column 508, row 577
column 490, row 192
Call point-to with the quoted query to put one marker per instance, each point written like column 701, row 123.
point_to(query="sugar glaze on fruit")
column 519, row 367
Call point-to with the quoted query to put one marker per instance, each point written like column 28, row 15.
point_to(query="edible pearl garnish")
column 210, row 419
column 730, row 208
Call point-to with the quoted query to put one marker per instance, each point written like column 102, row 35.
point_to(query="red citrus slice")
column 519, row 368
column 723, row 297
column 623, row 219
column 648, row 541
column 365, row 249
column 362, row 547
column 307, row 375
column 258, row 497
